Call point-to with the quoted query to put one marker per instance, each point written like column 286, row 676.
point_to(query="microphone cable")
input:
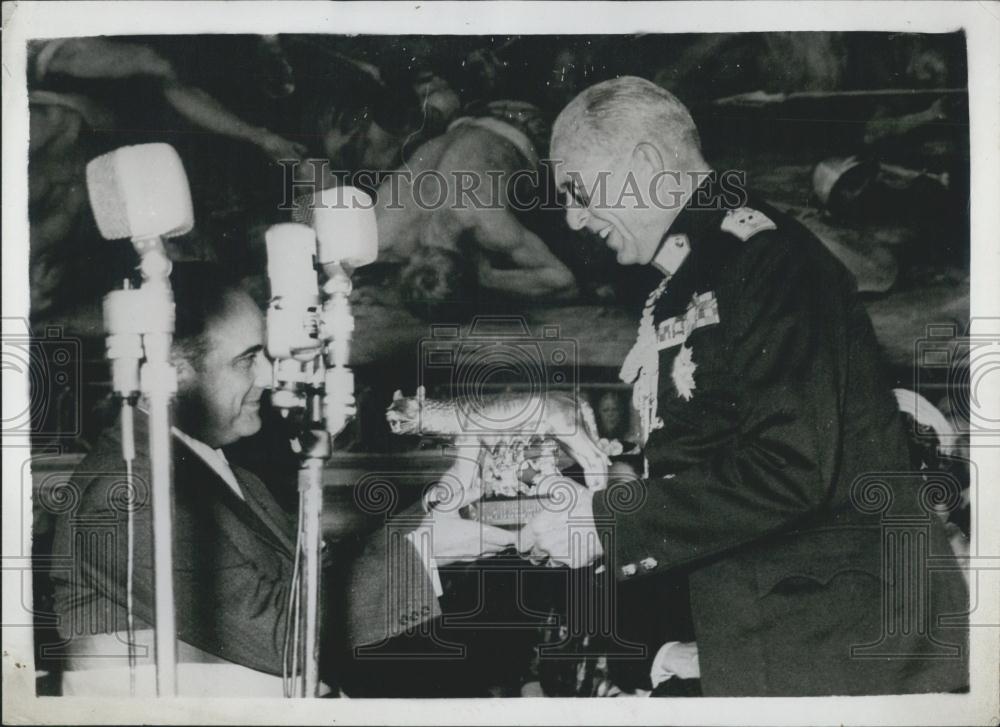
column 128, row 453
column 290, row 671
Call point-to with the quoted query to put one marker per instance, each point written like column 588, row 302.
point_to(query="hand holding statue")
column 454, row 538
column 563, row 532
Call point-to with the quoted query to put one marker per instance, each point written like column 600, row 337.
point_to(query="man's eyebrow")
column 254, row 350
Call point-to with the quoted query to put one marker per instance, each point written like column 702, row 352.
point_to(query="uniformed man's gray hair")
column 623, row 112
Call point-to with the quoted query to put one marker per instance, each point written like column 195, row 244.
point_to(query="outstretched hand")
column 564, row 532
column 453, row 538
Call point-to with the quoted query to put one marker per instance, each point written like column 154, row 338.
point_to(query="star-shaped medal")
column 683, row 373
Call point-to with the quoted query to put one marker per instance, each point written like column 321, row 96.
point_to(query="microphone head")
column 140, row 192
column 346, row 230
column 290, row 266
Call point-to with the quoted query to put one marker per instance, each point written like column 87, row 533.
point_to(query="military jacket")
column 770, row 391
column 773, row 427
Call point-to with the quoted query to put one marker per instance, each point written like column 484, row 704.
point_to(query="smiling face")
column 621, row 198
column 219, row 394
column 626, row 154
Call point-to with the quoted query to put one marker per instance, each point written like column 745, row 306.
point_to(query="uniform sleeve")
column 754, row 442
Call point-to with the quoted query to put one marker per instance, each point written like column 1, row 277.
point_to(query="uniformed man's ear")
column 647, row 158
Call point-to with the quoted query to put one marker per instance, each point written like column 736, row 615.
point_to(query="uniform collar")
column 702, row 212
column 702, row 215
column 673, row 251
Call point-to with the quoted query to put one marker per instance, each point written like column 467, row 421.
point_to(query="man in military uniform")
column 774, row 453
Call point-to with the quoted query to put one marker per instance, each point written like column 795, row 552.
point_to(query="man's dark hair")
column 202, row 294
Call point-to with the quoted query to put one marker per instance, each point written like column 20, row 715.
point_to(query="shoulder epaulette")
column 745, row 222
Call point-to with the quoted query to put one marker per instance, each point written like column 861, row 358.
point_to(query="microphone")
column 346, row 229
column 140, row 192
column 292, row 324
column 290, row 261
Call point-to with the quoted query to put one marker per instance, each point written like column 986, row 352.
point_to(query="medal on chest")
column 683, row 373
column 641, row 367
column 703, row 310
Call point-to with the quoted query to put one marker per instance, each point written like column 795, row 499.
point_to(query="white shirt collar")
column 214, row 458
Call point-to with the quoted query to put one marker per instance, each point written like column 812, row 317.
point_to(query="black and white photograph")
column 597, row 359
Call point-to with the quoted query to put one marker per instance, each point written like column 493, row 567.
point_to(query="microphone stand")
column 311, row 493
column 141, row 192
column 158, row 380
column 124, row 351
column 337, row 406
column 318, row 383
column 146, row 314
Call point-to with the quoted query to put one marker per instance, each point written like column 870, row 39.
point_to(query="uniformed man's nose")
column 576, row 217
column 263, row 371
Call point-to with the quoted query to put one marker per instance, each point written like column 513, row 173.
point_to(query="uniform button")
column 403, row 621
column 648, row 563
column 414, row 615
column 628, row 570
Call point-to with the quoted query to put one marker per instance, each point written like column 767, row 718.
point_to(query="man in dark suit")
column 234, row 546
column 776, row 466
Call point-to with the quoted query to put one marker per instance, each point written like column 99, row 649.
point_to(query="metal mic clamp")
column 123, row 330
column 293, row 340
column 337, row 330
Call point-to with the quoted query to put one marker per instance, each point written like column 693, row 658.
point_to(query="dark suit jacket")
column 233, row 561
column 782, row 480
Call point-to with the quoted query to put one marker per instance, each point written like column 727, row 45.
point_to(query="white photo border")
column 980, row 22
